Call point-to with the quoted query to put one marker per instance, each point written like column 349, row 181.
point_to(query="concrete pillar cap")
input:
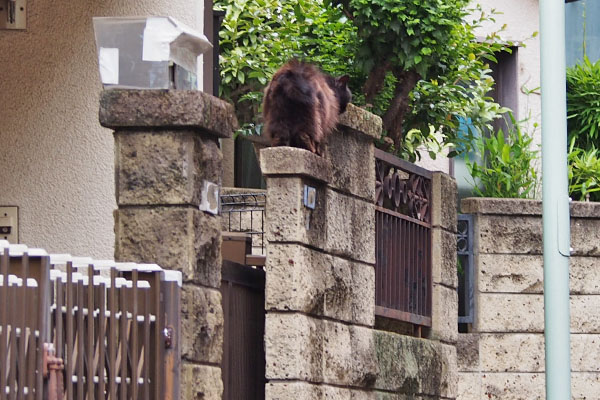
column 192, row 109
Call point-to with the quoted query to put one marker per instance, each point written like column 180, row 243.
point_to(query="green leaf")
column 506, row 153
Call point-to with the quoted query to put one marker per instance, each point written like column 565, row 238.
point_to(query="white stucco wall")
column 56, row 162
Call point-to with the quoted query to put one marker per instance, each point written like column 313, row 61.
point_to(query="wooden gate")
column 243, row 367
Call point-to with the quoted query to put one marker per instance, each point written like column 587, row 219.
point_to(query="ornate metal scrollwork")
column 462, row 237
column 402, row 191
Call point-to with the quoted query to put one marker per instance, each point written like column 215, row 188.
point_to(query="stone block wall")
column 503, row 356
column 165, row 149
column 320, row 335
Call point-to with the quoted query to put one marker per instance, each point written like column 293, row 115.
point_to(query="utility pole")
column 555, row 199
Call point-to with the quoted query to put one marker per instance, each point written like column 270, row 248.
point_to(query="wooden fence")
column 80, row 329
column 403, row 282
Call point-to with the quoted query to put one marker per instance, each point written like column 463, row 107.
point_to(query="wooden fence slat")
column 134, row 335
column 43, row 324
column 12, row 376
column 69, row 324
column 146, row 373
column 58, row 317
column 172, row 353
column 80, row 339
column 31, row 363
column 90, row 334
column 112, row 336
column 123, row 345
column 158, row 342
column 4, row 260
column 101, row 343
column 21, row 336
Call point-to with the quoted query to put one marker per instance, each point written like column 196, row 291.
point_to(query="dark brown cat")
column 302, row 105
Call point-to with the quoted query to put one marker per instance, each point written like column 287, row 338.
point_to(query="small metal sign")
column 310, row 197
column 210, row 198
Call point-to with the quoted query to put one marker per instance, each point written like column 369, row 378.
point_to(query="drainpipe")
column 555, row 200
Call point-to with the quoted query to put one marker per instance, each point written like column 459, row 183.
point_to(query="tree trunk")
column 375, row 81
column 399, row 106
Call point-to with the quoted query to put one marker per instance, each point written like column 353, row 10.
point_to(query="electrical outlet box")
column 9, row 224
column 13, row 14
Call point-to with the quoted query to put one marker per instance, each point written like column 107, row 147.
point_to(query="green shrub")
column 417, row 64
column 440, row 67
column 507, row 168
column 584, row 173
column 583, row 104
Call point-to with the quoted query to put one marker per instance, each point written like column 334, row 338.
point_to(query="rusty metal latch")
column 168, row 332
column 53, row 371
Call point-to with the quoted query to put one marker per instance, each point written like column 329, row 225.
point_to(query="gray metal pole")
column 555, row 200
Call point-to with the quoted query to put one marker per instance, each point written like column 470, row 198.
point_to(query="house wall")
column 503, row 355
column 322, row 339
column 56, row 162
column 583, row 34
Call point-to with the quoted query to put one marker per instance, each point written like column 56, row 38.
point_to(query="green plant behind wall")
column 583, row 104
column 584, row 173
column 583, row 117
column 507, row 169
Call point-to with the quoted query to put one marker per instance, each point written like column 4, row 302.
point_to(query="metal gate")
column 403, row 281
column 243, row 367
column 87, row 330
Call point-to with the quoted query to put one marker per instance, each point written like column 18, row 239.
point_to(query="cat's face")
column 342, row 92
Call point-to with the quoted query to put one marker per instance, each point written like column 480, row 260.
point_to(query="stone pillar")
column 444, row 319
column 166, row 156
column 320, row 277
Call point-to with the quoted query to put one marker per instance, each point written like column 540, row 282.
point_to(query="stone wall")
column 503, row 356
column 166, row 148
column 320, row 336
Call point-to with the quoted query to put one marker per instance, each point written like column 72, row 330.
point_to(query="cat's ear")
column 343, row 79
